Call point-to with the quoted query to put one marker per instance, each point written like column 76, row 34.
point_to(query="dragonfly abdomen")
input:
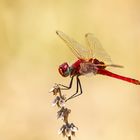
column 108, row 73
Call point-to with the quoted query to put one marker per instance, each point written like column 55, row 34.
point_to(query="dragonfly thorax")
column 64, row 69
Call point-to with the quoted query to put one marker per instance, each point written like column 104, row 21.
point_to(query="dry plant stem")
column 67, row 129
column 69, row 138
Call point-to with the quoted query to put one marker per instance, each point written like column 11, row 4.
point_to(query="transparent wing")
column 78, row 50
column 96, row 49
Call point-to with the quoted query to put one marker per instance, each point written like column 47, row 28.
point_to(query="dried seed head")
column 68, row 130
column 59, row 101
column 73, row 128
column 55, row 89
column 63, row 114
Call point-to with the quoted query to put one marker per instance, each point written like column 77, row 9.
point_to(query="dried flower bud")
column 63, row 114
column 73, row 128
column 68, row 130
column 55, row 89
column 59, row 101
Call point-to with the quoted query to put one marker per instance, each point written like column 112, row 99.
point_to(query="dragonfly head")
column 64, row 69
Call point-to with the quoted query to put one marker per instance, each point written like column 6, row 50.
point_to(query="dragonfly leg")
column 81, row 91
column 76, row 94
column 67, row 87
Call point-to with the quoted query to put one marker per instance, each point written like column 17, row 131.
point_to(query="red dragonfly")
column 91, row 59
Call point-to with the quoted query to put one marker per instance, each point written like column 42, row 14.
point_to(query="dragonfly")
column 91, row 59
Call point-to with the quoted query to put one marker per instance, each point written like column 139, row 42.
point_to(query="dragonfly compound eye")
column 64, row 69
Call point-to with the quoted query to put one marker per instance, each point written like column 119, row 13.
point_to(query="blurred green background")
column 30, row 53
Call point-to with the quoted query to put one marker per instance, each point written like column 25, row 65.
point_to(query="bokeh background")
column 30, row 53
